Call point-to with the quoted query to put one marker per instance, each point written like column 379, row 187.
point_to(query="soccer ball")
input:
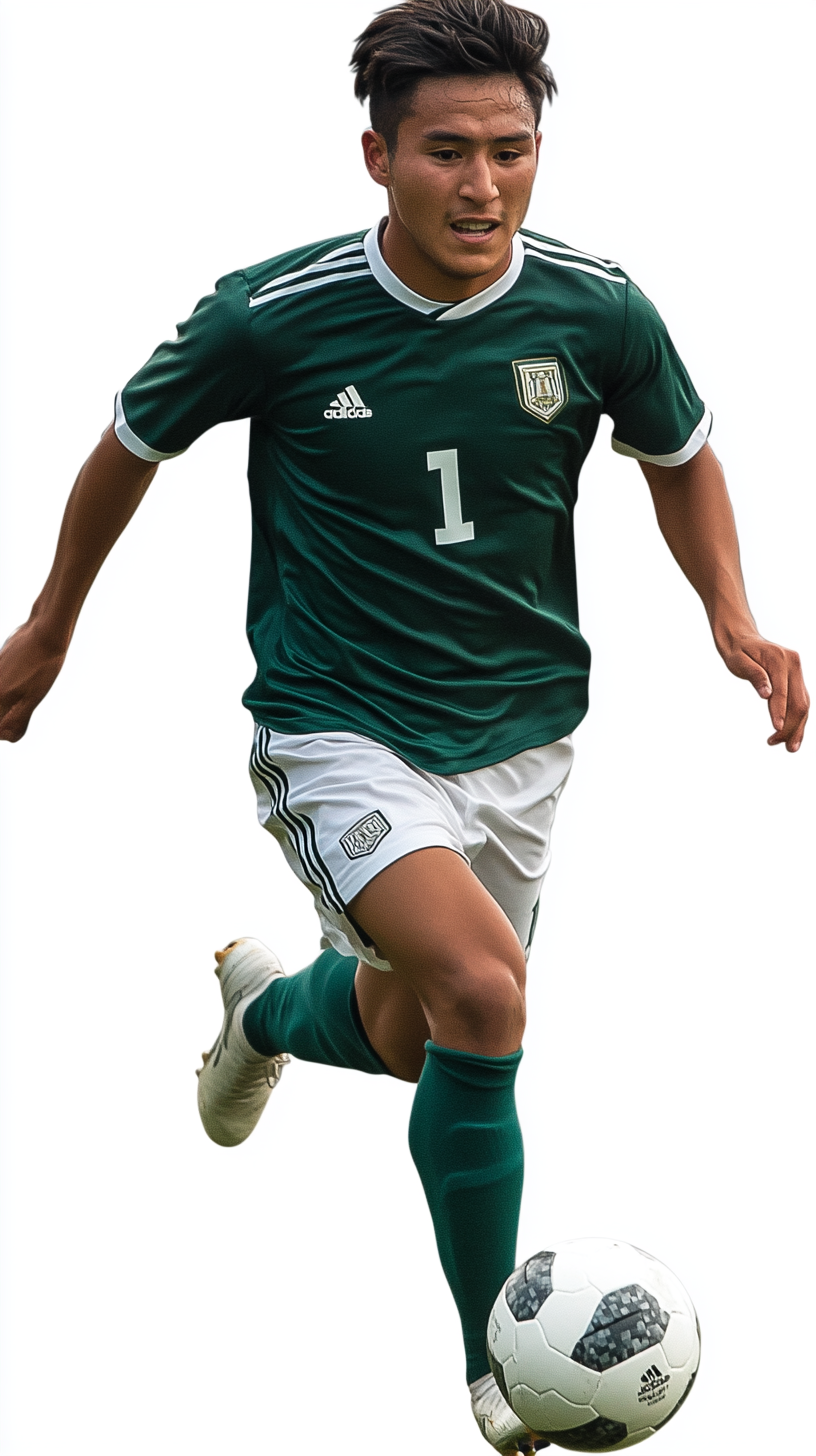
column 594, row 1344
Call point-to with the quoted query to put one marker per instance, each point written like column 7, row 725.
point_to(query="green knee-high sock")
column 314, row 1016
column 465, row 1139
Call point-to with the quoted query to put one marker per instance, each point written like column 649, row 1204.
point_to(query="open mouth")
column 474, row 230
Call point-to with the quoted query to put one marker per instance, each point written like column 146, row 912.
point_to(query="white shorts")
column 343, row 808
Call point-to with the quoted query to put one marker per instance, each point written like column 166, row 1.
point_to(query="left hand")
column 776, row 674
column 695, row 517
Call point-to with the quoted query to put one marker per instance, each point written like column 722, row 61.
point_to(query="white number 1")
column 454, row 529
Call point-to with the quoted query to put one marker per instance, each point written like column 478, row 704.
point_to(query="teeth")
column 474, row 227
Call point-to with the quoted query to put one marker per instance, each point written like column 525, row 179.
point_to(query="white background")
column 161, row 1294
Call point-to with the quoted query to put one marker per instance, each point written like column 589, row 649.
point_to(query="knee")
column 480, row 1007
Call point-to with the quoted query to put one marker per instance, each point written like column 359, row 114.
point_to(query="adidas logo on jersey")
column 347, row 406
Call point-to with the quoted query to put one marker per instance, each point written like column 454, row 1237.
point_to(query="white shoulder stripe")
column 565, row 263
column 312, row 268
column 571, row 252
column 338, row 252
column 695, row 442
column 261, row 299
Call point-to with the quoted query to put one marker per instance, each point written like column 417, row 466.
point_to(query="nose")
column 477, row 184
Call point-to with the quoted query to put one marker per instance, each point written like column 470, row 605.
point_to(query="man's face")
column 460, row 179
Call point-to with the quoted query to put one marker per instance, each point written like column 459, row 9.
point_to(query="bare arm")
column 695, row 517
column 108, row 489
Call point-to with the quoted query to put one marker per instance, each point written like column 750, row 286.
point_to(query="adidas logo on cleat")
column 347, row 406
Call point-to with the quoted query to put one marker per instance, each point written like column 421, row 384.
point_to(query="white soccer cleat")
column 235, row 1081
column 497, row 1422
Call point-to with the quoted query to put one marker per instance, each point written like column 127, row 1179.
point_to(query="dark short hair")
column 423, row 38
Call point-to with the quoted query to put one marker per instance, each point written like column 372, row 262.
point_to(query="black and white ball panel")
column 597, row 1435
column 626, row 1322
column 527, row 1289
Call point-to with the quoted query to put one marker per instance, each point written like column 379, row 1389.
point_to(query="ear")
column 375, row 153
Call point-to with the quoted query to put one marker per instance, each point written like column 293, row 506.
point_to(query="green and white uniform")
column 413, row 613
column 413, row 473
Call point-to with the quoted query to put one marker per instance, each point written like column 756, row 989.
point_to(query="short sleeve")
column 206, row 375
column 657, row 413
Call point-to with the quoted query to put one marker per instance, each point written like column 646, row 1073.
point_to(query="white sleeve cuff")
column 132, row 442
column 694, row 443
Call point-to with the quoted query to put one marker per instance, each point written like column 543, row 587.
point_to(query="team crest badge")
column 541, row 386
column 365, row 835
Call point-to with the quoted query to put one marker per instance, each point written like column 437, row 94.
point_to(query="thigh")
column 344, row 808
column 451, row 943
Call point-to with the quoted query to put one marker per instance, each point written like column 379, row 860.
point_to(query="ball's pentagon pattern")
column 626, row 1322
column 594, row 1343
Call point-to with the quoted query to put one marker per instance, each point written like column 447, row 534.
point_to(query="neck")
column 419, row 272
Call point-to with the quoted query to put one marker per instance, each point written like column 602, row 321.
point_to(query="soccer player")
column 422, row 397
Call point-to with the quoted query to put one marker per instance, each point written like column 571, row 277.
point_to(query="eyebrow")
column 452, row 136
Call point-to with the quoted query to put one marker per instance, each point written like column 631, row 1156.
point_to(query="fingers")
column 15, row 716
column 758, row 678
column 778, row 700
column 792, row 731
column 13, row 725
column 29, row 665
column 776, row 675
column 789, row 703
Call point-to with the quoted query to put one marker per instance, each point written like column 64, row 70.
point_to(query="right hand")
column 29, row 664
column 108, row 489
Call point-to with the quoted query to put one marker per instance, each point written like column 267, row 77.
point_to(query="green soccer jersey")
column 413, row 472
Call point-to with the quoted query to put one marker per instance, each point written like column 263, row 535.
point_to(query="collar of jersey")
column 399, row 290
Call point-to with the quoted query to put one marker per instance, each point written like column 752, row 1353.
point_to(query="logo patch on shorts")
column 365, row 835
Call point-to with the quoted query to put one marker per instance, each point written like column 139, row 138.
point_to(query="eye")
column 507, row 155
column 446, row 154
